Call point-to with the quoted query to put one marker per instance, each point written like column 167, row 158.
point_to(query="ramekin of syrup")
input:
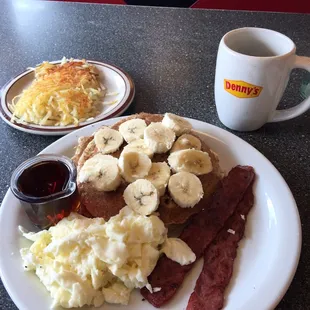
column 46, row 188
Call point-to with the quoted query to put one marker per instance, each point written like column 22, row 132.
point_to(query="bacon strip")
column 219, row 259
column 169, row 275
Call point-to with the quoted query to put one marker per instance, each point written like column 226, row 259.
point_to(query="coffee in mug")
column 252, row 71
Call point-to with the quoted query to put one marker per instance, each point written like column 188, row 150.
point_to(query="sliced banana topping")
column 102, row 172
column 194, row 161
column 158, row 138
column 186, row 141
column 132, row 129
column 185, row 189
column 108, row 140
column 159, row 175
column 142, row 197
column 138, row 146
column 134, row 165
column 177, row 123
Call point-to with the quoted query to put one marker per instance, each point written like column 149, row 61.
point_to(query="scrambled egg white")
column 178, row 251
column 84, row 261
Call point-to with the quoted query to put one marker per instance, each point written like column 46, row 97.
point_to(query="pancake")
column 107, row 204
column 82, row 144
column 170, row 212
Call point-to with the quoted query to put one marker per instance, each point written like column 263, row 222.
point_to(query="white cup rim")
column 270, row 31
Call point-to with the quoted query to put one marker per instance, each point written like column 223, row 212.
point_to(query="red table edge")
column 298, row 6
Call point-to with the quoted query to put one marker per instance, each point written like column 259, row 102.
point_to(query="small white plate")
column 115, row 80
column 267, row 256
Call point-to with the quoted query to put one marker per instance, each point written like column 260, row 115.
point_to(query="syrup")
column 46, row 188
column 44, row 179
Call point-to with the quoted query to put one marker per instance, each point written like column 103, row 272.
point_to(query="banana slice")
column 177, row 123
column 186, row 141
column 159, row 175
column 138, row 146
column 132, row 129
column 142, row 197
column 185, row 189
column 158, row 138
column 102, row 172
column 108, row 140
column 134, row 165
column 194, row 161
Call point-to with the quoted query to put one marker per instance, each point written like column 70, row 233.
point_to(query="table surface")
column 170, row 54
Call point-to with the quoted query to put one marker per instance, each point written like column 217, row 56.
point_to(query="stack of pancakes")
column 106, row 204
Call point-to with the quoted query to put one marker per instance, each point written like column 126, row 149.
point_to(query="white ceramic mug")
column 252, row 71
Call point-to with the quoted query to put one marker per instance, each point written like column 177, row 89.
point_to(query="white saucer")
column 116, row 81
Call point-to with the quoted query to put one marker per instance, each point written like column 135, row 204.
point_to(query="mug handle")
column 283, row 115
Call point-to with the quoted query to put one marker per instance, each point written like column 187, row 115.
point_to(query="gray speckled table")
column 170, row 53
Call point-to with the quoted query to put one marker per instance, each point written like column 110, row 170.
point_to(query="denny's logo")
column 242, row 89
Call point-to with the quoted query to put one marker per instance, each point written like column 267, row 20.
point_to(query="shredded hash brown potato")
column 61, row 94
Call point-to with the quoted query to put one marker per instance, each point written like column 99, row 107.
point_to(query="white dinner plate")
column 116, row 81
column 267, row 257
